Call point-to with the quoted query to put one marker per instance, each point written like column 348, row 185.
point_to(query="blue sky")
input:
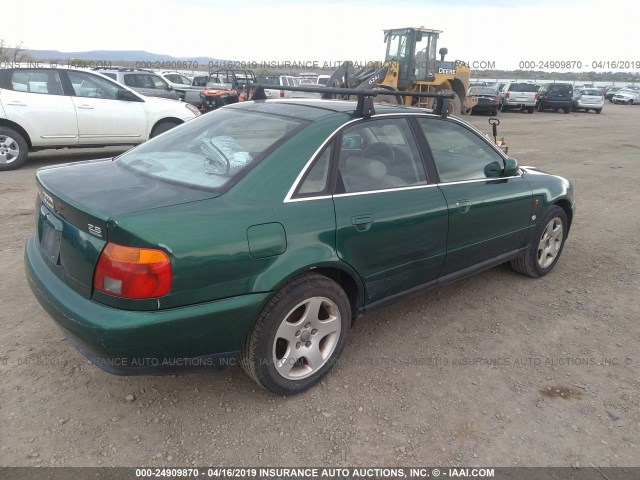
column 500, row 31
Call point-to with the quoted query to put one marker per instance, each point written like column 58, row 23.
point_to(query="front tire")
column 163, row 127
column 13, row 149
column 546, row 245
column 298, row 335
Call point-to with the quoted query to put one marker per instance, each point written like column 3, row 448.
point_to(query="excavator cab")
column 414, row 49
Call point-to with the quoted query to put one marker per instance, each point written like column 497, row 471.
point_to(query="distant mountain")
column 114, row 56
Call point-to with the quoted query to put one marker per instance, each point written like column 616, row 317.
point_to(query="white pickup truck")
column 518, row 95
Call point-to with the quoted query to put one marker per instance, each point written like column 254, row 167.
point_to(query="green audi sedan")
column 256, row 234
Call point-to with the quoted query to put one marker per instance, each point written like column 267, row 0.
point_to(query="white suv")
column 43, row 108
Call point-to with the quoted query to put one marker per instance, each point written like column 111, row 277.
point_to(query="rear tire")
column 13, row 149
column 298, row 335
column 567, row 110
column 545, row 246
column 599, row 110
column 530, row 109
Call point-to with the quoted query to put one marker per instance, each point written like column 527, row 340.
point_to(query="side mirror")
column 443, row 52
column 128, row 96
column 510, row 167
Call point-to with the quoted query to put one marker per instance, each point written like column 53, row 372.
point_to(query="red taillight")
column 281, row 93
column 506, row 95
column 131, row 272
column 535, row 97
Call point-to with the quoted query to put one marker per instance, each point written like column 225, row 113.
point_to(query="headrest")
column 366, row 167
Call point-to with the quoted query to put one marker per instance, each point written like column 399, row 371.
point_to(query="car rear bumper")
column 589, row 105
column 196, row 337
column 486, row 107
column 556, row 103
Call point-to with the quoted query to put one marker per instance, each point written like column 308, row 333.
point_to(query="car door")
column 35, row 100
column 489, row 214
column 104, row 119
column 391, row 224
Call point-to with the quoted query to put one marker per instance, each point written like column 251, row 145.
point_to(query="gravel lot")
column 498, row 369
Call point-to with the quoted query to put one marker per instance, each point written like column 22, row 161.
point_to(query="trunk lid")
column 77, row 202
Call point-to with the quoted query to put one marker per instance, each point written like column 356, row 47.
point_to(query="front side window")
column 459, row 153
column 177, row 78
column 37, row 81
column 139, row 81
column 88, row 85
column 378, row 155
column 213, row 150
column 159, row 83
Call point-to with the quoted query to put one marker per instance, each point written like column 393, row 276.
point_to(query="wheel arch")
column 9, row 124
column 458, row 87
column 349, row 281
column 175, row 120
column 565, row 204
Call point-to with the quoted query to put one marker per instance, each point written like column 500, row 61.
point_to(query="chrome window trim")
column 398, row 189
column 491, row 179
column 288, row 198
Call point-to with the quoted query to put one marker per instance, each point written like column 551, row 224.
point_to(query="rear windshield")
column 482, row 91
column 523, row 87
column 591, row 91
column 212, row 151
column 560, row 88
column 269, row 80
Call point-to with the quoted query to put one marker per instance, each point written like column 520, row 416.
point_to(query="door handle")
column 17, row 104
column 86, row 107
column 463, row 205
column 362, row 222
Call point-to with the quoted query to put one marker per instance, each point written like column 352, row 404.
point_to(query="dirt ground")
column 495, row 370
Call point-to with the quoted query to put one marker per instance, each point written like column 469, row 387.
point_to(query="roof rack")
column 365, row 106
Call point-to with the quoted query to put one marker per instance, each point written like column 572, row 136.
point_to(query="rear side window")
column 36, row 81
column 522, row 87
column 379, row 155
column 213, row 150
column 316, row 180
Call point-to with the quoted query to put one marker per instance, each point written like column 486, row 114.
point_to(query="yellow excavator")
column 411, row 66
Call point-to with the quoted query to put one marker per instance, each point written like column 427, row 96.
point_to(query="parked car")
column 184, row 87
column 45, row 108
column 588, row 99
column 522, row 96
column 322, row 79
column 257, row 233
column 625, row 96
column 142, row 81
column 555, row 96
column 610, row 92
column 498, row 87
column 277, row 81
column 487, row 100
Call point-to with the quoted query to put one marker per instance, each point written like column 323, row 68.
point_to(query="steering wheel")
column 380, row 150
